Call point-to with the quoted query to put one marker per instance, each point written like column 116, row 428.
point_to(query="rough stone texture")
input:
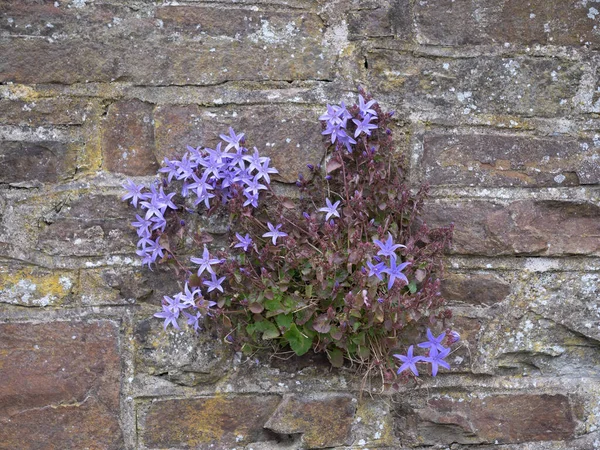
column 60, row 385
column 497, row 106
column 324, row 421
column 209, row 423
column 466, row 22
column 454, row 88
column 474, row 288
column 128, row 139
column 552, row 228
column 497, row 418
column 91, row 224
column 508, row 160
column 292, row 139
column 46, row 162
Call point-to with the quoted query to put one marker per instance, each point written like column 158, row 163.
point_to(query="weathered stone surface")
column 383, row 19
column 324, row 420
column 508, row 160
column 60, row 386
column 36, row 286
column 464, row 22
column 128, row 139
column 212, row 423
column 170, row 49
column 126, row 285
column 46, row 161
column 474, row 288
column 292, row 139
column 89, row 225
column 471, row 419
column 456, row 88
column 524, row 227
column 43, row 111
column 186, row 357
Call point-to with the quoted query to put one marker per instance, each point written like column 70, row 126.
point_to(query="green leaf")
column 273, row 305
column 308, row 290
column 336, row 357
column 267, row 328
column 299, row 342
column 284, row 320
column 412, row 286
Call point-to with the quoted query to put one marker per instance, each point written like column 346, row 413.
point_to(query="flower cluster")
column 437, row 353
column 347, row 268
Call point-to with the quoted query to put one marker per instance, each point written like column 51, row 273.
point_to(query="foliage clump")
column 347, row 268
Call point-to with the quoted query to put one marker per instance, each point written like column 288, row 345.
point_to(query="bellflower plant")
column 348, row 268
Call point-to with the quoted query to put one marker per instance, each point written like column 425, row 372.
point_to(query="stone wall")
column 497, row 108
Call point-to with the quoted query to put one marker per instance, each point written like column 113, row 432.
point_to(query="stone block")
column 521, row 227
column 508, row 160
column 36, row 286
column 474, row 288
column 455, row 89
column 128, row 139
column 465, row 22
column 210, row 423
column 60, row 385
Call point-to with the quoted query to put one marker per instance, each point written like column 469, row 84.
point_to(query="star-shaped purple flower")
column 433, row 341
column 134, row 192
column 244, row 241
column 364, row 126
column 170, row 312
column 436, row 358
column 274, row 232
column 409, row 361
column 365, row 108
column 233, row 140
column 214, row 283
column 376, row 270
column 205, row 262
column 388, row 247
column 395, row 271
column 330, row 209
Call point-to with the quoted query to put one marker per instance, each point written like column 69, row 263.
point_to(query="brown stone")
column 128, row 139
column 457, row 88
column 60, row 383
column 324, row 420
column 36, row 286
column 212, row 423
column 383, row 19
column 290, row 136
column 87, row 225
column 95, row 45
column 46, row 162
column 501, row 418
column 474, row 288
column 525, row 227
column 43, row 111
column 186, row 358
column 508, row 160
column 464, row 22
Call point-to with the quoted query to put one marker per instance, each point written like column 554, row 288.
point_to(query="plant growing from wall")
column 346, row 268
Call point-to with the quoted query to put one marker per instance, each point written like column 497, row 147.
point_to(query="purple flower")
column 244, row 241
column 170, row 169
column 212, row 164
column 436, row 358
column 185, row 168
column 254, row 186
column 193, row 320
column 365, row 108
column 263, row 170
column 134, row 192
column 395, row 271
column 205, row 262
column 251, row 199
column 214, row 283
column 170, row 312
column 255, row 160
column 376, row 270
column 364, row 126
column 142, row 226
column 433, row 341
column 387, row 248
column 187, row 297
column 409, row 361
column 232, row 140
column 274, row 232
column 330, row 209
